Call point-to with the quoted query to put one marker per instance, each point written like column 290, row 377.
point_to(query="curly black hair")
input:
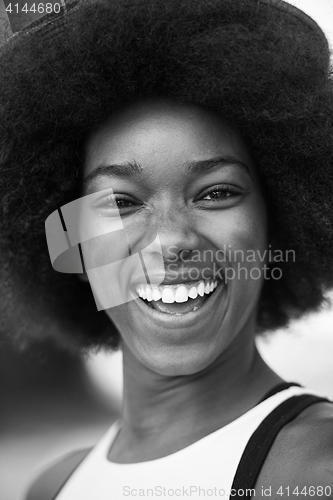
column 263, row 70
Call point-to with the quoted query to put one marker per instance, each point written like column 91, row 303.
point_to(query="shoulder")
column 300, row 462
column 50, row 482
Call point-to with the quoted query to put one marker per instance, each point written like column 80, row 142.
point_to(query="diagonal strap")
column 277, row 388
column 262, row 439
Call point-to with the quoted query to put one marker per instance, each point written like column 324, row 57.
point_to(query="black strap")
column 278, row 388
column 263, row 437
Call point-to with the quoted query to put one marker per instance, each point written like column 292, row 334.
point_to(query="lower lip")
column 182, row 320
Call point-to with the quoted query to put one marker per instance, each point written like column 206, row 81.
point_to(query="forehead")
column 162, row 129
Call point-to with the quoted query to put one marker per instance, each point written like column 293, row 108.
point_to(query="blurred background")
column 52, row 403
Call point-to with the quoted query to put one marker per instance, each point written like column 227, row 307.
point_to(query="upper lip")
column 186, row 276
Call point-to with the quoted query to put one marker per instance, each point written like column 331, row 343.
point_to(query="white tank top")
column 203, row 469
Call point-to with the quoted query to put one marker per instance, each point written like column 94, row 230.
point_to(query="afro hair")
column 263, row 69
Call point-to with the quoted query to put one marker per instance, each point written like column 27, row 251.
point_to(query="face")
column 182, row 176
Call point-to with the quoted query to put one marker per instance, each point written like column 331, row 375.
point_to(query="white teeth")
column 181, row 294
column 168, row 295
column 177, row 293
column 149, row 293
column 157, row 294
column 201, row 289
column 193, row 292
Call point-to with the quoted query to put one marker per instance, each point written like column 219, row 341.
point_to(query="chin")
column 176, row 361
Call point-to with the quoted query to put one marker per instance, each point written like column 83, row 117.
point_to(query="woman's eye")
column 123, row 203
column 220, row 193
column 116, row 203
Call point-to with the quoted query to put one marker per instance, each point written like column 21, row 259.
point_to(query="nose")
column 176, row 229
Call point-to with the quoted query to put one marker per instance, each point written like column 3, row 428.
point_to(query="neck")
column 174, row 411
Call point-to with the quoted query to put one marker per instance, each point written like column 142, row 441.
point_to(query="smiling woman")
column 196, row 188
column 181, row 155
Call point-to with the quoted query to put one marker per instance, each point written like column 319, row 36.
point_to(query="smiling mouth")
column 179, row 299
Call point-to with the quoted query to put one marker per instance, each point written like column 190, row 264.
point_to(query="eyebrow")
column 131, row 168
column 124, row 170
column 200, row 166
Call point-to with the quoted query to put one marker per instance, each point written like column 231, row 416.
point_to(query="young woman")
column 183, row 152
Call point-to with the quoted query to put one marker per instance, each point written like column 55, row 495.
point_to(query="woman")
column 183, row 153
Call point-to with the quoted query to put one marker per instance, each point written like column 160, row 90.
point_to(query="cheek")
column 109, row 267
column 240, row 235
column 244, row 232
column 239, row 228
column 252, row 231
column 105, row 249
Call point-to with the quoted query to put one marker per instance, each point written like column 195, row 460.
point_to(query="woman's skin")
column 186, row 378
column 183, row 382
